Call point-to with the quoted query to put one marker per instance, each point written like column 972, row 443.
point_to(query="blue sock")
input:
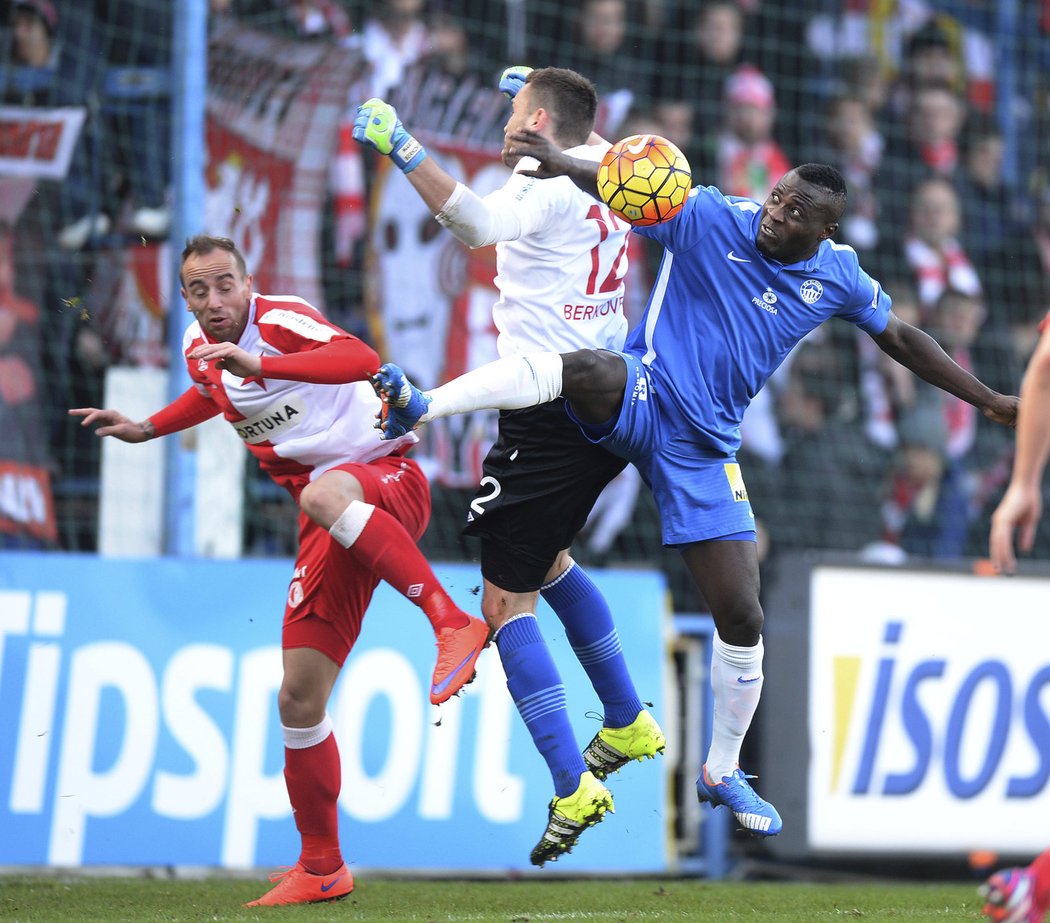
column 538, row 692
column 590, row 630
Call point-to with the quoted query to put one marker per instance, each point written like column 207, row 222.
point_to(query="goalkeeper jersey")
column 722, row 317
column 561, row 281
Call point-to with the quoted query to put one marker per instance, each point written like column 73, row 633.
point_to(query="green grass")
column 41, row 899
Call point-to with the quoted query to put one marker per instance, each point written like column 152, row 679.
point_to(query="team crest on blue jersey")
column 811, row 290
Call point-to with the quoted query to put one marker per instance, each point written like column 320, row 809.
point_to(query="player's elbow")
column 894, row 339
column 475, row 221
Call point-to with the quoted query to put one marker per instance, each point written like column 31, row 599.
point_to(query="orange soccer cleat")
column 296, row 885
column 458, row 650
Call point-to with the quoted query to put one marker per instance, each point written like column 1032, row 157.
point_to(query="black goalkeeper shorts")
column 540, row 480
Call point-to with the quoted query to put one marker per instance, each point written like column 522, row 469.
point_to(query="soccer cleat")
column 296, row 885
column 404, row 403
column 756, row 815
column 458, row 650
column 568, row 817
column 1008, row 897
column 613, row 748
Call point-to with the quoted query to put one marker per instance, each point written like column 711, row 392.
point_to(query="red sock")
column 386, row 548
column 313, row 777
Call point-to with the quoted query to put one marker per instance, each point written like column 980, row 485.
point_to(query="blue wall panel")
column 139, row 720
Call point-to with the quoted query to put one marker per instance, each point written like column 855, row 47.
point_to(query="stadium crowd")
column 934, row 110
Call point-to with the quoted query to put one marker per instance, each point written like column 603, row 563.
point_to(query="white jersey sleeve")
column 478, row 222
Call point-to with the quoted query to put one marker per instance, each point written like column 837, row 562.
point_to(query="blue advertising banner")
column 139, row 720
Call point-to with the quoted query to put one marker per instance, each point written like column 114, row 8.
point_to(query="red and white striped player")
column 297, row 389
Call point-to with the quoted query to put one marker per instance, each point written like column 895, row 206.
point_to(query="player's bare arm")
column 113, row 423
column 1022, row 504
column 432, row 183
column 918, row 351
column 230, row 358
column 1020, row 510
column 552, row 161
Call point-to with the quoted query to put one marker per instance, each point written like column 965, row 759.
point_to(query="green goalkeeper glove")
column 513, row 79
column 377, row 126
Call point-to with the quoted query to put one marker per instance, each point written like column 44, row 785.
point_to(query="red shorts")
column 330, row 591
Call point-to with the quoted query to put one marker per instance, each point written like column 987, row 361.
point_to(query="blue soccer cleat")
column 1009, row 897
column 756, row 815
column 403, row 403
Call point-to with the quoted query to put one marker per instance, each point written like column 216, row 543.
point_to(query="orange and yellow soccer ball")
column 644, row 179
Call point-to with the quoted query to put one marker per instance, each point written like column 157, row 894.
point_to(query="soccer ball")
column 644, row 179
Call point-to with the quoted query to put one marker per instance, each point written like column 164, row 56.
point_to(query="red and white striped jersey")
column 297, row 429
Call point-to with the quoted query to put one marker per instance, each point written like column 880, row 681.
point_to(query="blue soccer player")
column 740, row 284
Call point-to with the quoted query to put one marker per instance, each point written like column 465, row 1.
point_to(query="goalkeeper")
column 561, row 261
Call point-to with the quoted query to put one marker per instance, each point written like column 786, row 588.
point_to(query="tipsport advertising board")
column 929, row 712
column 140, row 726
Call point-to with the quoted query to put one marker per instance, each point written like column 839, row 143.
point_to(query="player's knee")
column 299, row 706
column 499, row 606
column 593, row 381
column 740, row 624
column 324, row 501
column 312, row 499
column 495, row 619
column 591, row 368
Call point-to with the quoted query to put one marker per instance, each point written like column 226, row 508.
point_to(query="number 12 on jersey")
column 606, row 222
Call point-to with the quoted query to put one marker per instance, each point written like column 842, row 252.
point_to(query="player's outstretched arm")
column 114, row 423
column 188, row 409
column 377, row 126
column 552, row 162
column 455, row 206
column 918, row 351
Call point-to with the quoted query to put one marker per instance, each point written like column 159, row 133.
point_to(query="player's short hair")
column 202, row 244
column 828, row 178
column 569, row 98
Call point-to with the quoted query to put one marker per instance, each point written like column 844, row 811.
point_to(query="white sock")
column 351, row 522
column 506, row 384
column 736, row 681
column 303, row 738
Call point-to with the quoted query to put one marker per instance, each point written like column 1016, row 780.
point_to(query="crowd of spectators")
column 112, row 86
column 935, row 111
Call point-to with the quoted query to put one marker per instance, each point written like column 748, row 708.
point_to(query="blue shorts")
column 700, row 494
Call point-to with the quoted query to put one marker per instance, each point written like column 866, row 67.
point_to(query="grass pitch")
column 42, row 899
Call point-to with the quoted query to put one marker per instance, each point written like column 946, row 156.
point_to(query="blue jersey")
column 721, row 316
